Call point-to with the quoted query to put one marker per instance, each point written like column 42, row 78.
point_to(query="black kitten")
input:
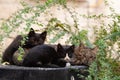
column 65, row 53
column 32, row 39
column 45, row 54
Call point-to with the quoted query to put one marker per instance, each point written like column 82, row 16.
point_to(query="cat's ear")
column 59, row 47
column 71, row 48
column 43, row 35
column 31, row 33
column 95, row 49
column 81, row 45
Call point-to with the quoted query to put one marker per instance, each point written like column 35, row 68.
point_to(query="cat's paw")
column 68, row 64
column 5, row 63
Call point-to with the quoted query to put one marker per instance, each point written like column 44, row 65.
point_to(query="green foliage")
column 81, row 36
column 57, row 36
column 104, row 67
column 15, row 21
column 21, row 53
column 55, row 24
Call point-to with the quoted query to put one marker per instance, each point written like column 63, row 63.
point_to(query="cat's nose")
column 67, row 58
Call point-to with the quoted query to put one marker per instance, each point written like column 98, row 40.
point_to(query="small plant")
column 107, row 36
column 105, row 67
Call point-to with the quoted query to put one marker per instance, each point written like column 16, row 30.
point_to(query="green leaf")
column 56, row 37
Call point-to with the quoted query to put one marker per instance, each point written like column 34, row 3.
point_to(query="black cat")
column 44, row 54
column 32, row 39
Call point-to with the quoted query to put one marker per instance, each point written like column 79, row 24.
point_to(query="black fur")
column 46, row 54
column 32, row 39
column 62, row 51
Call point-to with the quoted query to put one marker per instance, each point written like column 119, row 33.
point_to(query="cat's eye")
column 70, row 55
